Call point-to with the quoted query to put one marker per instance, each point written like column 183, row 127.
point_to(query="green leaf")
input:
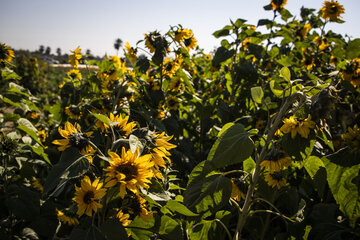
column 221, row 55
column 268, row 7
column 102, row 118
column 71, row 164
column 344, row 183
column 345, row 157
column 285, row 74
column 187, row 82
column 223, row 32
column 249, row 165
column 233, row 146
column 285, row 14
column 94, row 234
column 298, row 147
column 170, row 229
column 257, row 94
column 178, row 207
column 353, row 48
column 143, row 64
column 312, row 165
column 113, row 229
column 263, row 22
column 208, row 195
column 274, row 52
column 276, row 88
column 26, row 126
column 200, row 171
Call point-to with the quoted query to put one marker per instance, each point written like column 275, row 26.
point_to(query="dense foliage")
column 258, row 140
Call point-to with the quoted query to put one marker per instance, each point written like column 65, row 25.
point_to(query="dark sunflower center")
column 89, row 195
column 79, row 140
column 333, row 9
column 277, row 176
column 172, row 102
column 168, row 67
column 129, row 170
column 187, row 42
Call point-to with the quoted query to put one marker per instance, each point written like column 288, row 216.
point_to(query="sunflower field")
column 258, row 139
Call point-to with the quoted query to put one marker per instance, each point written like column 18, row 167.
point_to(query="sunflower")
column 332, row 10
column 275, row 179
column 170, row 67
column 321, row 43
column 207, row 57
column 73, row 112
column 260, row 124
column 149, row 43
column 131, row 52
column 154, row 85
column 190, row 43
column 276, row 161
column 138, row 207
column 293, row 126
column 181, row 34
column 176, row 84
column 131, row 171
column 302, row 33
column 75, row 57
column 245, row 44
column 308, row 62
column 123, row 218
column 42, row 134
column 118, row 123
column 236, row 193
column 352, row 137
column 87, row 195
column 31, row 115
column 172, row 102
column 74, row 74
column 160, row 152
column 278, row 4
column 6, row 54
column 66, row 219
column 36, row 184
column 73, row 137
column 351, row 73
column 88, row 151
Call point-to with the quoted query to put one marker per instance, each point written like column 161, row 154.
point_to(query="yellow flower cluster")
column 295, row 126
column 186, row 37
column 75, row 57
column 131, row 52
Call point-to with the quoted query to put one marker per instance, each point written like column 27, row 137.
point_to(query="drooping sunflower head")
column 6, row 54
column 176, row 84
column 67, row 217
column 276, row 161
column 73, row 112
column 278, row 4
column 131, row 52
column 88, row 195
column 275, row 179
column 351, row 73
column 190, row 43
column 137, row 206
column 170, row 67
column 352, row 137
column 130, row 170
column 172, row 102
column 75, row 57
column 181, row 34
column 245, row 44
column 332, row 11
column 239, row 189
column 72, row 137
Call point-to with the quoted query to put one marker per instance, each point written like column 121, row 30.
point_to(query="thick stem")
column 259, row 159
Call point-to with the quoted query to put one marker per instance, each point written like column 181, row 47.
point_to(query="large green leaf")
column 178, row 207
column 71, row 164
column 221, row 55
column 113, row 229
column 170, row 229
column 233, row 146
column 208, row 195
column 298, row 147
column 345, row 185
column 353, row 49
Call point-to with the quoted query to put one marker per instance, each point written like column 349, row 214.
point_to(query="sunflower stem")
column 96, row 148
column 258, row 159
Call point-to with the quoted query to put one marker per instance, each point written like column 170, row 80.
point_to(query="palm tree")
column 117, row 45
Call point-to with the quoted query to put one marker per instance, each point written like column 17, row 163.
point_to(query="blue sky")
column 95, row 24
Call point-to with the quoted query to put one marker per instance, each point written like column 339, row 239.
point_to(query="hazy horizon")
column 95, row 25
